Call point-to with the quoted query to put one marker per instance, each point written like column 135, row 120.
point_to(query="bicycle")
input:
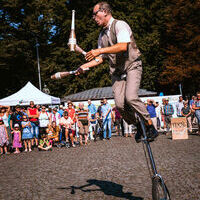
column 159, row 189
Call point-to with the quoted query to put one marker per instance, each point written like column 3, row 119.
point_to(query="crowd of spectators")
column 161, row 114
column 38, row 126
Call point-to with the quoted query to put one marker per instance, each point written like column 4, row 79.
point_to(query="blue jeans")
column 34, row 130
column 197, row 113
column 107, row 123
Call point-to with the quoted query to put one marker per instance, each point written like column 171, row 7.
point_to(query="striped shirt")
column 82, row 114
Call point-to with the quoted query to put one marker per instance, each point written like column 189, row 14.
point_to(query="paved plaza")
column 112, row 169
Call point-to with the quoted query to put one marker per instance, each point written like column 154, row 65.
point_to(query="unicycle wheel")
column 159, row 189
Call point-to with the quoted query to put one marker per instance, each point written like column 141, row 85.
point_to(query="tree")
column 182, row 47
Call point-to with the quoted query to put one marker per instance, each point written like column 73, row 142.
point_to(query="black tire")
column 159, row 190
column 96, row 132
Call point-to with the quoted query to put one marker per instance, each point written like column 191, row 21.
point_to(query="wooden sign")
column 179, row 128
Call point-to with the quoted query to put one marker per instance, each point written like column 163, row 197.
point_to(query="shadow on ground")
column 107, row 187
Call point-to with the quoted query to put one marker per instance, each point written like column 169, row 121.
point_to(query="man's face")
column 148, row 102
column 89, row 102
column 99, row 16
column 81, row 106
column 104, row 101
column 66, row 116
column 180, row 98
column 163, row 100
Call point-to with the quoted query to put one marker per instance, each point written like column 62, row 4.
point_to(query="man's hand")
column 80, row 70
column 92, row 54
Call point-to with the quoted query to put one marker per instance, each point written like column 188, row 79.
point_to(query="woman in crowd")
column 26, row 133
column 117, row 119
column 17, row 138
column 53, row 132
column 33, row 115
column 128, row 129
column 44, row 120
column 4, row 114
column 3, row 137
column 72, row 114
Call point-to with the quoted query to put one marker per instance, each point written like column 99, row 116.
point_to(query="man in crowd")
column 163, row 124
column 116, row 43
column 196, row 107
column 106, row 115
column 55, row 117
column 168, row 112
column 92, row 116
column 151, row 108
column 83, row 123
column 179, row 106
column 61, row 111
column 186, row 112
column 16, row 117
column 99, row 113
column 66, row 123
column 91, row 107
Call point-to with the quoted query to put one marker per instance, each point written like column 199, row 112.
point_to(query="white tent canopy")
column 29, row 93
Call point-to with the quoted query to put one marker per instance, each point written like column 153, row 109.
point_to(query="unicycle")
column 159, row 189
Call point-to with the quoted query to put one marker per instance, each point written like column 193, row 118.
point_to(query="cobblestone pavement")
column 114, row 169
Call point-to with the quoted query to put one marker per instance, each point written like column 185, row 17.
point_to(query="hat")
column 16, row 125
column 17, row 106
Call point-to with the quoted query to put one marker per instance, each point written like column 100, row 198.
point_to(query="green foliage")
column 49, row 21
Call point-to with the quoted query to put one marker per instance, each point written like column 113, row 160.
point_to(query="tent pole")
column 38, row 63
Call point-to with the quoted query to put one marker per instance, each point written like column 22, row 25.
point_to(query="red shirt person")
column 33, row 115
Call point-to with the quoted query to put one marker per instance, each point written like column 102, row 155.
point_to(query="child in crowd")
column 26, row 133
column 3, row 137
column 17, row 138
column 44, row 144
column 92, row 128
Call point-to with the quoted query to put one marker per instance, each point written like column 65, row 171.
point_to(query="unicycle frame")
column 151, row 158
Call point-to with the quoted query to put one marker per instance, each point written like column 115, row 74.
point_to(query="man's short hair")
column 104, row 6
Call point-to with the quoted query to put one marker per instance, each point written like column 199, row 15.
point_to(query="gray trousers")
column 126, row 94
